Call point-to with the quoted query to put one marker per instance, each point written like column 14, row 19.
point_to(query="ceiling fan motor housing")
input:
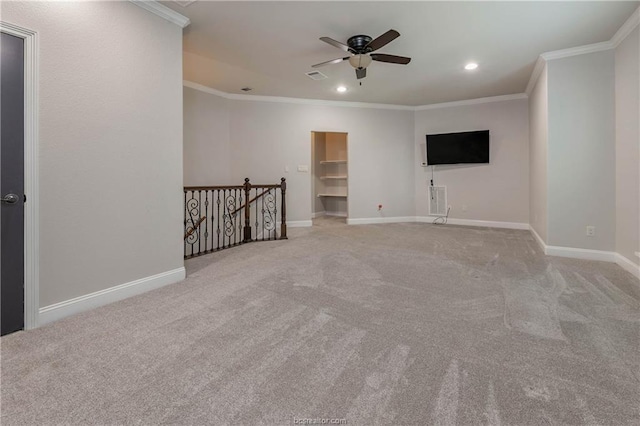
column 358, row 43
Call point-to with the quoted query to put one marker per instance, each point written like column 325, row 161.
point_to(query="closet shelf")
column 333, row 162
column 333, row 195
column 333, row 177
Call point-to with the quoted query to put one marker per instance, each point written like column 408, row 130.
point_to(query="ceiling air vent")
column 316, row 75
column 246, row 89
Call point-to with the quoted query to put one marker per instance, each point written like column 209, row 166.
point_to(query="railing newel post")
column 247, row 211
column 283, row 209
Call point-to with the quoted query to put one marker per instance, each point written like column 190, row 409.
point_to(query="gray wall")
column 267, row 136
column 581, row 151
column 498, row 191
column 385, row 146
column 228, row 140
column 110, row 144
column 627, row 92
column 207, row 143
column 538, row 146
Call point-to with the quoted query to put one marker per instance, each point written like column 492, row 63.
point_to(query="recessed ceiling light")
column 471, row 66
column 341, row 89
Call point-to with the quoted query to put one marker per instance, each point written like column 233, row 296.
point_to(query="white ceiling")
column 268, row 46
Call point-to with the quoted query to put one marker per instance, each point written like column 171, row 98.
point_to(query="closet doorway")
column 329, row 176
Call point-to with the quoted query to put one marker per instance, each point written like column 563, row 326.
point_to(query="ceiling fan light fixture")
column 360, row 61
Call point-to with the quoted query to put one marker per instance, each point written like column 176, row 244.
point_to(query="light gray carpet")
column 405, row 324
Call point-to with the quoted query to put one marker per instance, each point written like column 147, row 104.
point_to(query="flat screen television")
column 458, row 148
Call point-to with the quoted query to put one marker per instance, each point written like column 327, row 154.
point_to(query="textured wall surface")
column 538, row 151
column 110, row 144
column 628, row 147
column 207, row 143
column 581, row 151
column 267, row 136
column 385, row 151
column 498, row 191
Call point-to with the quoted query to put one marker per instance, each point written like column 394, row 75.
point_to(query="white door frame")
column 31, row 183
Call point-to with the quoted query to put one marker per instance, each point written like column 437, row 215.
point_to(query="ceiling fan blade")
column 393, row 59
column 333, row 61
column 361, row 73
column 335, row 43
column 383, row 40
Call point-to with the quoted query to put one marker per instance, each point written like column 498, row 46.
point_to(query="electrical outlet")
column 591, row 231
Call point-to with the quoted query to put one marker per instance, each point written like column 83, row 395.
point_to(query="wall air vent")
column 437, row 201
column 316, row 75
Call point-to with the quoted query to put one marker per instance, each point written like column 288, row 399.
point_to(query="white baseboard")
column 317, row 214
column 580, row 253
column 539, row 239
column 430, row 219
column 480, row 223
column 113, row 294
column 628, row 265
column 298, row 223
column 573, row 252
column 335, row 214
column 586, row 254
column 373, row 220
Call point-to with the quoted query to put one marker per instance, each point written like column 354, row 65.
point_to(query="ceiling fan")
column 361, row 47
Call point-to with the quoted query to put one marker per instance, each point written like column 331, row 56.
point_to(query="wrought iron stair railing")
column 219, row 217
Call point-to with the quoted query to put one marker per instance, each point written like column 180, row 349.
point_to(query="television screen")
column 458, row 148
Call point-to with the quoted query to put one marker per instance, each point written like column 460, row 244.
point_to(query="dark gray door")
column 12, row 183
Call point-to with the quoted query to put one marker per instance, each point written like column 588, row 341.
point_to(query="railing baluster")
column 198, row 230
column 255, row 237
column 283, row 209
column 234, row 218
column 226, row 220
column 206, row 227
column 219, row 220
column 247, row 211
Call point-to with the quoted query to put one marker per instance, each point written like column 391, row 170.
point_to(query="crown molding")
column 626, row 28
column 299, row 101
column 630, row 24
column 163, row 11
column 575, row 51
column 501, row 98
column 321, row 102
column 535, row 74
column 206, row 89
